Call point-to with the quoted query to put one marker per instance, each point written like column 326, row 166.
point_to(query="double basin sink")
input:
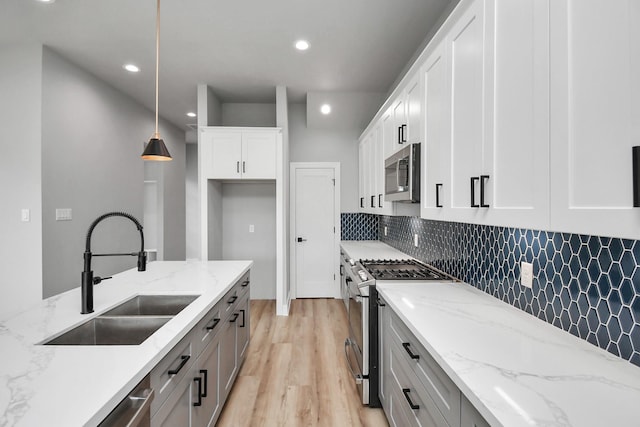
column 129, row 323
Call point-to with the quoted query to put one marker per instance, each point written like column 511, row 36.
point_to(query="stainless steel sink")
column 152, row 305
column 120, row 330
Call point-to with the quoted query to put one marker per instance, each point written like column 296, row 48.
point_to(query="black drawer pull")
column 245, row 284
column 185, row 358
column 379, row 200
column 483, row 181
column 406, row 392
column 438, row 204
column 474, row 179
column 232, row 299
column 380, row 303
column 204, row 374
column 242, row 325
column 213, row 324
column 199, row 401
column 362, row 202
column 235, row 317
column 408, row 350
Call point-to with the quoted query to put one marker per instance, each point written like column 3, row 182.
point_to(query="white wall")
column 92, row 138
column 192, row 203
column 308, row 144
column 20, row 177
column 245, row 204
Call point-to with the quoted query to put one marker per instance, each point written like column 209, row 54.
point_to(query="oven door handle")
column 357, row 377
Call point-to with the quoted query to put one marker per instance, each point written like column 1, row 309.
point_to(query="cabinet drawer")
column 207, row 329
column 436, row 382
column 167, row 374
column 408, row 391
column 243, row 285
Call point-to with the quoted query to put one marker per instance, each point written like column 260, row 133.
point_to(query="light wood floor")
column 295, row 373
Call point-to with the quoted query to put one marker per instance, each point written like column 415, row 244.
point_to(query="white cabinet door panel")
column 259, row 155
column 226, row 155
column 595, row 113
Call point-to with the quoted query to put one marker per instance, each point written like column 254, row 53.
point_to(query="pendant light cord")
column 157, row 134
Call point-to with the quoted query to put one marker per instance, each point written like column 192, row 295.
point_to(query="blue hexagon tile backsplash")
column 586, row 285
column 359, row 226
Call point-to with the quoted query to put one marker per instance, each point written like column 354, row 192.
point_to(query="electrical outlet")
column 526, row 274
column 26, row 215
column 63, row 215
column 251, row 228
column 385, row 230
column 415, row 240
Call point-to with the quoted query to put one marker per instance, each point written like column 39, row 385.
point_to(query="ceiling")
column 242, row 49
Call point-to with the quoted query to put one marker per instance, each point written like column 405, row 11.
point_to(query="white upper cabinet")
column 235, row 153
column 436, row 147
column 413, row 101
column 595, row 116
column 371, row 173
column 486, row 117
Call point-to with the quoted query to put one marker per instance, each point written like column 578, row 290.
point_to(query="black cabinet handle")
column 341, row 270
column 406, row 392
column 300, row 240
column 379, row 200
column 185, row 358
column 474, row 179
column 204, row 388
column 199, row 401
column 238, row 167
column 243, row 167
column 373, row 205
column 483, row 181
column 404, row 133
column 408, row 350
column 232, row 299
column 380, row 303
column 438, row 186
column 245, row 283
column 399, row 134
column 362, row 202
column 213, row 324
column 242, row 325
column 235, row 317
column 348, row 280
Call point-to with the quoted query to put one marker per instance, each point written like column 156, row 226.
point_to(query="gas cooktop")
column 401, row 269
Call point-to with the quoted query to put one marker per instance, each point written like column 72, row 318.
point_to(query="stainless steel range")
column 361, row 347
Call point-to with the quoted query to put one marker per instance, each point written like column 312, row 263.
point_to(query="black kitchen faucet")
column 87, row 275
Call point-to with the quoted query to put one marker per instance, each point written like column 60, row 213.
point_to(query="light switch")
column 251, row 228
column 63, row 214
column 415, row 240
column 526, row 274
column 26, row 215
column 385, row 230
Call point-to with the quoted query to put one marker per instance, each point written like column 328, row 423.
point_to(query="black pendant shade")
column 156, row 150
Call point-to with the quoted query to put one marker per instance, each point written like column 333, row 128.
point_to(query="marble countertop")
column 80, row 385
column 517, row 370
column 371, row 249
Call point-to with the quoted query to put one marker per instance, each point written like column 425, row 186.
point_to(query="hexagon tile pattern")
column 586, row 285
column 359, row 226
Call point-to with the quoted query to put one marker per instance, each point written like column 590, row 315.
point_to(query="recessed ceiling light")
column 325, row 109
column 302, row 45
column 46, row 1
column 131, row 68
column 191, row 114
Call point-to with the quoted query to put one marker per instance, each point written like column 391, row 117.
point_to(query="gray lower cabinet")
column 193, row 381
column 414, row 390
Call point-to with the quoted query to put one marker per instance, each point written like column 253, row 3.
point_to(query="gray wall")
column 20, row 183
column 192, row 203
column 245, row 204
column 92, row 139
column 327, row 145
column 248, row 114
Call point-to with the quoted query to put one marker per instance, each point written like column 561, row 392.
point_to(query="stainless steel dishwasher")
column 134, row 410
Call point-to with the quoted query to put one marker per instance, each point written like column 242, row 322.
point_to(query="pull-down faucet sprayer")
column 87, row 275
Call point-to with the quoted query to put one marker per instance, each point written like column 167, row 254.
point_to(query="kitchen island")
column 80, row 385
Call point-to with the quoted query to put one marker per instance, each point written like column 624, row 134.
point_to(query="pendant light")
column 155, row 149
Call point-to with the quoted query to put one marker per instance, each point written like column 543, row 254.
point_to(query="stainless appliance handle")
column 141, row 413
column 357, row 377
column 398, row 175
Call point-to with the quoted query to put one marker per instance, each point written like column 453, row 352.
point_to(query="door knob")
column 300, row 239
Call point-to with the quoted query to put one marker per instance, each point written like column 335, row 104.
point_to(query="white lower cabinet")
column 194, row 380
column 414, row 390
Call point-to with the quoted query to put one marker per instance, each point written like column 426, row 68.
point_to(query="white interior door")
column 314, row 236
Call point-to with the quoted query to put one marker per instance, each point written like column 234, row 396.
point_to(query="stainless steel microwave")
column 402, row 175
